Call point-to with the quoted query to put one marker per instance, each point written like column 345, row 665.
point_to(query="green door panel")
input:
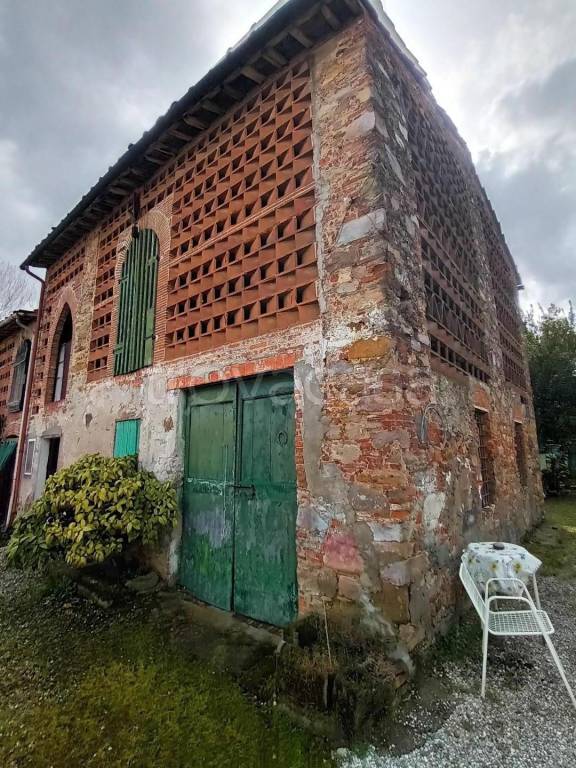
column 207, row 545
column 127, row 438
column 239, row 538
column 266, row 505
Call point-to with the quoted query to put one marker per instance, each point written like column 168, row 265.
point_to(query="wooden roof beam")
column 154, row 160
column 195, row 122
column 179, row 134
column 211, row 106
column 331, row 17
column 234, row 93
column 274, row 57
column 353, row 5
column 300, row 37
column 252, row 74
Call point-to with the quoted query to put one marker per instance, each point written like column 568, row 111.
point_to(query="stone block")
column 367, row 349
column 349, row 589
column 328, row 583
column 411, row 636
column 419, row 607
column 385, row 532
column 393, row 601
column 404, row 572
column 362, row 227
column 399, row 436
column 361, row 125
column 393, row 552
column 362, row 498
column 395, row 165
column 341, row 553
column 345, row 453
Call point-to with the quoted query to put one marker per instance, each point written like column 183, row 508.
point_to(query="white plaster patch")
column 365, row 225
column 309, row 519
column 363, row 124
column 395, row 165
column 173, row 555
column 433, row 506
column 386, row 533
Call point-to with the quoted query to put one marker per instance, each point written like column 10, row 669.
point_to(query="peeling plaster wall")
column 86, row 420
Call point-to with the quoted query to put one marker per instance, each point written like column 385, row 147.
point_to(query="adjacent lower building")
column 292, row 298
column 16, row 336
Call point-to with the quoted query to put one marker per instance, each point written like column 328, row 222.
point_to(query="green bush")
column 91, row 511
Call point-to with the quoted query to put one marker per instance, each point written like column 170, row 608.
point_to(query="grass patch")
column 554, row 542
column 82, row 687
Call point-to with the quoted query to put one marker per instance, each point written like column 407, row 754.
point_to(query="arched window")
column 137, row 309
column 19, row 373
column 63, row 360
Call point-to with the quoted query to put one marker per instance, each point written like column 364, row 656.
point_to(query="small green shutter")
column 137, row 309
column 7, row 448
column 127, row 438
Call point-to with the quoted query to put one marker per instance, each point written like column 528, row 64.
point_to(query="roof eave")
column 282, row 17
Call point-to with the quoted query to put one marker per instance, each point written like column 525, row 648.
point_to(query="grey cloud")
column 536, row 205
column 507, row 73
column 551, row 100
column 536, row 197
column 79, row 82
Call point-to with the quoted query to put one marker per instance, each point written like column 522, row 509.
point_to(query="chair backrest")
column 473, row 591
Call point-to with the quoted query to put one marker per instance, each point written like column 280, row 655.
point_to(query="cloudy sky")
column 80, row 80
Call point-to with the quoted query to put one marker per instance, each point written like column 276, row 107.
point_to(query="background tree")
column 551, row 342
column 17, row 290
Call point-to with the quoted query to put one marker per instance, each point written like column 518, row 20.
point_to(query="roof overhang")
column 289, row 29
column 16, row 321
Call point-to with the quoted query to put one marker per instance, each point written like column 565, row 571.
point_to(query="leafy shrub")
column 90, row 511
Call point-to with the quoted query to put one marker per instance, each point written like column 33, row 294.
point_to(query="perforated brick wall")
column 242, row 260
column 242, row 250
column 449, row 251
column 503, row 283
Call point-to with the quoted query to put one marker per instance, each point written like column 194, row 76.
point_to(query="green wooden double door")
column 239, row 537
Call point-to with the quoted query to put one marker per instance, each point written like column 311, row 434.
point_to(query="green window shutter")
column 127, row 438
column 137, row 309
column 17, row 390
column 7, row 448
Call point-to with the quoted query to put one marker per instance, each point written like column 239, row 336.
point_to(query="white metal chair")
column 530, row 621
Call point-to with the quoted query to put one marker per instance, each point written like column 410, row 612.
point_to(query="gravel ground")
column 526, row 721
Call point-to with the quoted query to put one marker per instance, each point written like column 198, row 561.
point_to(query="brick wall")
column 307, row 231
column 397, row 480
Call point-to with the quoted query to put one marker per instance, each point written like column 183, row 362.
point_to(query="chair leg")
column 536, row 592
column 558, row 663
column 484, row 657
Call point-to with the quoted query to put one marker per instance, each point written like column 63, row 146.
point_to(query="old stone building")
column 292, row 297
column 16, row 334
